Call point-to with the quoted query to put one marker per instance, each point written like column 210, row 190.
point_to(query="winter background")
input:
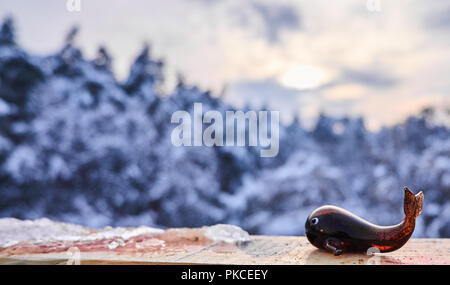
column 364, row 99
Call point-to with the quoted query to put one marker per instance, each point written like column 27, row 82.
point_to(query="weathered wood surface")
column 44, row 241
column 197, row 250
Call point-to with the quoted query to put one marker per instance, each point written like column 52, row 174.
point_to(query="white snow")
column 5, row 109
column 22, row 159
column 113, row 245
column 14, row 231
column 124, row 233
column 226, row 233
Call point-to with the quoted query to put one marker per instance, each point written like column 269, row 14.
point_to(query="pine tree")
column 7, row 32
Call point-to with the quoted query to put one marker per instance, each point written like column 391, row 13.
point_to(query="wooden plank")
column 260, row 250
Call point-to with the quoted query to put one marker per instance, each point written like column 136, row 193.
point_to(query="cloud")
column 263, row 93
column 369, row 77
column 397, row 57
column 277, row 18
column 439, row 16
column 345, row 92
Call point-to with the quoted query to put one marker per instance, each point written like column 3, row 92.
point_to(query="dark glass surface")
column 338, row 230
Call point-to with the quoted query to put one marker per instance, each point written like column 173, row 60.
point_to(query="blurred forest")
column 79, row 146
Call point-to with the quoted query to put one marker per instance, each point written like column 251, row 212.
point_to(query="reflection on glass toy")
column 337, row 230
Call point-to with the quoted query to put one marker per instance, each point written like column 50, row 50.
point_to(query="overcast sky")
column 339, row 57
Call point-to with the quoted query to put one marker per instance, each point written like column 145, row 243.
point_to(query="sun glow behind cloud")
column 302, row 76
column 302, row 50
column 345, row 92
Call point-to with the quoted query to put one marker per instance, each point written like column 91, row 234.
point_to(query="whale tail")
column 413, row 203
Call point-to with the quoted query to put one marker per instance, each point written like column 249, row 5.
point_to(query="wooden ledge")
column 260, row 250
column 47, row 242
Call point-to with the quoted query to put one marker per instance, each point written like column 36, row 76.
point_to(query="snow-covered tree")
column 79, row 146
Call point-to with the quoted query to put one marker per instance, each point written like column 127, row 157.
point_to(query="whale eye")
column 314, row 221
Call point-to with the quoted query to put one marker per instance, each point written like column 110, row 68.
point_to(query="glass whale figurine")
column 339, row 231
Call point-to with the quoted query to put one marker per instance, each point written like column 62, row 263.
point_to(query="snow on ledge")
column 13, row 231
column 226, row 233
